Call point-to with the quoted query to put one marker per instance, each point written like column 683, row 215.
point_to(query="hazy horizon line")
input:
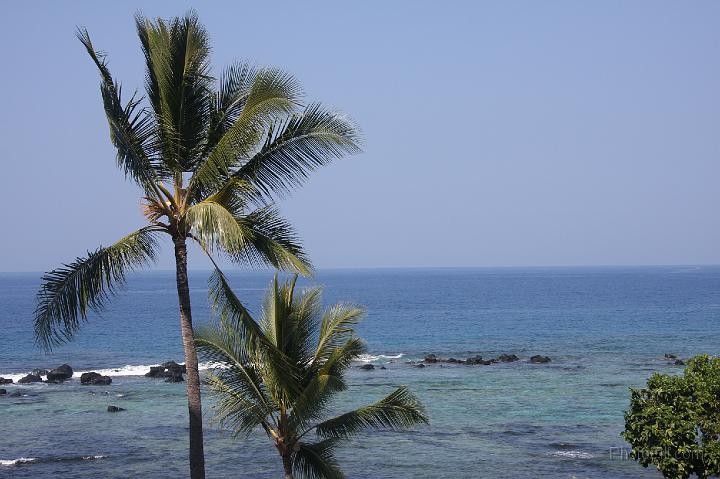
column 368, row 268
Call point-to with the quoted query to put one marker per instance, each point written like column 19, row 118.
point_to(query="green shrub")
column 674, row 423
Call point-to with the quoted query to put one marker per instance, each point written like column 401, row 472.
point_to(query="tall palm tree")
column 210, row 155
column 281, row 373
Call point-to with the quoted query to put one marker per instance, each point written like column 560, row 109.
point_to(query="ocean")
column 605, row 329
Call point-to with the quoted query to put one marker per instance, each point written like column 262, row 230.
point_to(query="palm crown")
column 282, row 372
column 209, row 155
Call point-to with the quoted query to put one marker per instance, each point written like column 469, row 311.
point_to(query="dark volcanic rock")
column 454, row 361
column 383, row 367
column 367, row 367
column 3, row 392
column 507, row 358
column 431, row 358
column 679, row 362
column 114, row 409
column 173, row 366
column 421, row 365
column 478, row 360
column 538, row 359
column 95, row 379
column 174, row 376
column 30, row 378
column 670, row 356
column 60, row 373
column 5, row 381
column 170, row 370
column 156, row 372
column 39, row 372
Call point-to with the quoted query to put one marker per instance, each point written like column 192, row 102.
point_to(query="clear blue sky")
column 501, row 133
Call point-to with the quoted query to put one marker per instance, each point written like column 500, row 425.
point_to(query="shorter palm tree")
column 281, row 373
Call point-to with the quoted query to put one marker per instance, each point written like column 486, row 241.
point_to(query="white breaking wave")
column 127, row 370
column 573, row 454
column 31, row 460
column 20, row 460
column 369, row 358
column 141, row 369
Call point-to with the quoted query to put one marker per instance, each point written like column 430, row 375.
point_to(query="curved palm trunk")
column 197, row 455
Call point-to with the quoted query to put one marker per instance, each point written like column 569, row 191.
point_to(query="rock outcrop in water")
column 3, row 392
column 538, row 359
column 30, row 378
column 60, row 374
column 5, row 381
column 472, row 360
column 114, row 409
column 39, row 372
column 507, row 358
column 367, row 367
column 172, row 371
column 95, row 379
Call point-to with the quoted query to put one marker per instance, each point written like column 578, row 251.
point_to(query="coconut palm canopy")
column 210, row 154
column 281, row 373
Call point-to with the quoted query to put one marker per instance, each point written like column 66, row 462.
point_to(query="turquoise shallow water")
column 606, row 330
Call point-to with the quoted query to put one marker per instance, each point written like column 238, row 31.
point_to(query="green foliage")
column 68, row 293
column 282, row 372
column 210, row 155
column 674, row 423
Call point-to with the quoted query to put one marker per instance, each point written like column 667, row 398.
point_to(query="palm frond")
column 179, row 84
column 260, row 238
column 317, row 460
column 273, row 94
column 305, row 313
column 336, row 328
column 237, row 408
column 221, row 343
column 295, row 147
column 313, row 400
column 227, row 102
column 238, row 341
column 69, row 292
column 399, row 410
column 341, row 357
column 275, row 240
column 132, row 131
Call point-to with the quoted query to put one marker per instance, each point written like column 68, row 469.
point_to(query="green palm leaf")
column 273, row 94
column 317, row 460
column 261, row 237
column 178, row 85
column 131, row 130
column 296, row 146
column 397, row 411
column 237, row 408
column 68, row 293
column 336, row 328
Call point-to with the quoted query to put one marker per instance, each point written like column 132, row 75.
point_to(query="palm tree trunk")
column 287, row 465
column 197, row 455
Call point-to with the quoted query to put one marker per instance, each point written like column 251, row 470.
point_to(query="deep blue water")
column 606, row 329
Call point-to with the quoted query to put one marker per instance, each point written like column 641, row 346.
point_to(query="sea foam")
column 33, row 460
column 127, row 370
column 19, row 460
column 369, row 358
column 141, row 369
